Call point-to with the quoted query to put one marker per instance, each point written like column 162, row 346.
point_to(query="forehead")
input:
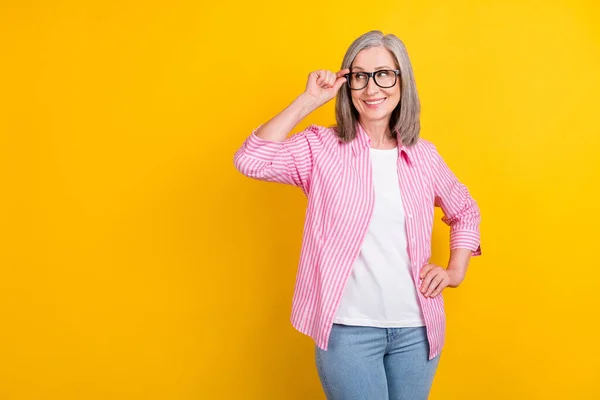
column 374, row 57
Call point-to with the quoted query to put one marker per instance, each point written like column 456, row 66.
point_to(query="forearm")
column 457, row 265
column 278, row 128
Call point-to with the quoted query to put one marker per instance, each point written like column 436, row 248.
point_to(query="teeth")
column 371, row 103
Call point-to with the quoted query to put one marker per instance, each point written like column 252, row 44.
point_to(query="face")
column 368, row 100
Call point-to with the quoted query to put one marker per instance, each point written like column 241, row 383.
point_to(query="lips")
column 374, row 102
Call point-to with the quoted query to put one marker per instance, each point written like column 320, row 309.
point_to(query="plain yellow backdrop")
column 137, row 263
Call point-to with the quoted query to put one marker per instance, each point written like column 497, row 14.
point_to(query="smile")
column 374, row 102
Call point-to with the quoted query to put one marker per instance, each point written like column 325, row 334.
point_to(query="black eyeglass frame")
column 372, row 75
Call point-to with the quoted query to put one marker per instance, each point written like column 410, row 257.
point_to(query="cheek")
column 395, row 97
column 395, row 93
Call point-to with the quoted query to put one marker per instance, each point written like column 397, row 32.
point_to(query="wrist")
column 456, row 276
column 307, row 102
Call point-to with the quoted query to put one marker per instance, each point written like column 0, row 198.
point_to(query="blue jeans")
column 368, row 363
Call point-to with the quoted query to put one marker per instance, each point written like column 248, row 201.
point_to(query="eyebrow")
column 376, row 68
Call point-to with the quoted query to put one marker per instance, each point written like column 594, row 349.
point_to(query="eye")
column 360, row 75
column 383, row 74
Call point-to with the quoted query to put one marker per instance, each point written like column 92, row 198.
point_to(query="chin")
column 377, row 115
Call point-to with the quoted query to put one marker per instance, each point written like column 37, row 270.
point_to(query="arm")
column 461, row 212
column 270, row 156
column 457, row 266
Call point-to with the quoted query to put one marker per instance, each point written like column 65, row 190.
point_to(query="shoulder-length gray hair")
column 404, row 122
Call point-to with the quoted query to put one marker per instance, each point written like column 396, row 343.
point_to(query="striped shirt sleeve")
column 290, row 162
column 461, row 212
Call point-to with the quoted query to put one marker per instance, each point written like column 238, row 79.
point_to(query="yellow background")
column 137, row 263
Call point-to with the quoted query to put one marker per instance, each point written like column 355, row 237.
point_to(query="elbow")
column 467, row 214
column 243, row 164
column 250, row 166
column 465, row 220
column 468, row 217
column 238, row 162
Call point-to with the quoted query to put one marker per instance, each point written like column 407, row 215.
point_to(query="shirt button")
column 409, row 216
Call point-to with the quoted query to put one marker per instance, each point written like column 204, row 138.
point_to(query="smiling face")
column 374, row 103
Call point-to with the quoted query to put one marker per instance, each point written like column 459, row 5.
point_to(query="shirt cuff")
column 466, row 240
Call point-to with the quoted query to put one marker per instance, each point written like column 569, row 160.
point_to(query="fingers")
column 325, row 84
column 320, row 77
column 338, row 83
column 426, row 268
column 426, row 282
column 324, row 79
column 331, row 79
column 435, row 280
column 434, row 285
column 342, row 72
column 438, row 290
column 327, row 79
column 341, row 79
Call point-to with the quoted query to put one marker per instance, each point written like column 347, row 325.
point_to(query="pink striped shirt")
column 336, row 178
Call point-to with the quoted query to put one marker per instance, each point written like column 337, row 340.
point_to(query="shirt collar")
column 362, row 141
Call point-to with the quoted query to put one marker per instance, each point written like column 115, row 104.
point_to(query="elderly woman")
column 365, row 291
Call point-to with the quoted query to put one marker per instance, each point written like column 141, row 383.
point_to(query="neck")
column 378, row 131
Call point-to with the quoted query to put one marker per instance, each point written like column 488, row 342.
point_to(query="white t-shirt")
column 380, row 291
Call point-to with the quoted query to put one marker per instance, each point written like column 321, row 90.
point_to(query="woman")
column 365, row 290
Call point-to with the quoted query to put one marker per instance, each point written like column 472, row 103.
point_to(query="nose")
column 372, row 87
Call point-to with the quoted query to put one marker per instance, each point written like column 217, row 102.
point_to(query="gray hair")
column 404, row 121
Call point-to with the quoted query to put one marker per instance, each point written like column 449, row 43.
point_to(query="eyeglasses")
column 385, row 78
